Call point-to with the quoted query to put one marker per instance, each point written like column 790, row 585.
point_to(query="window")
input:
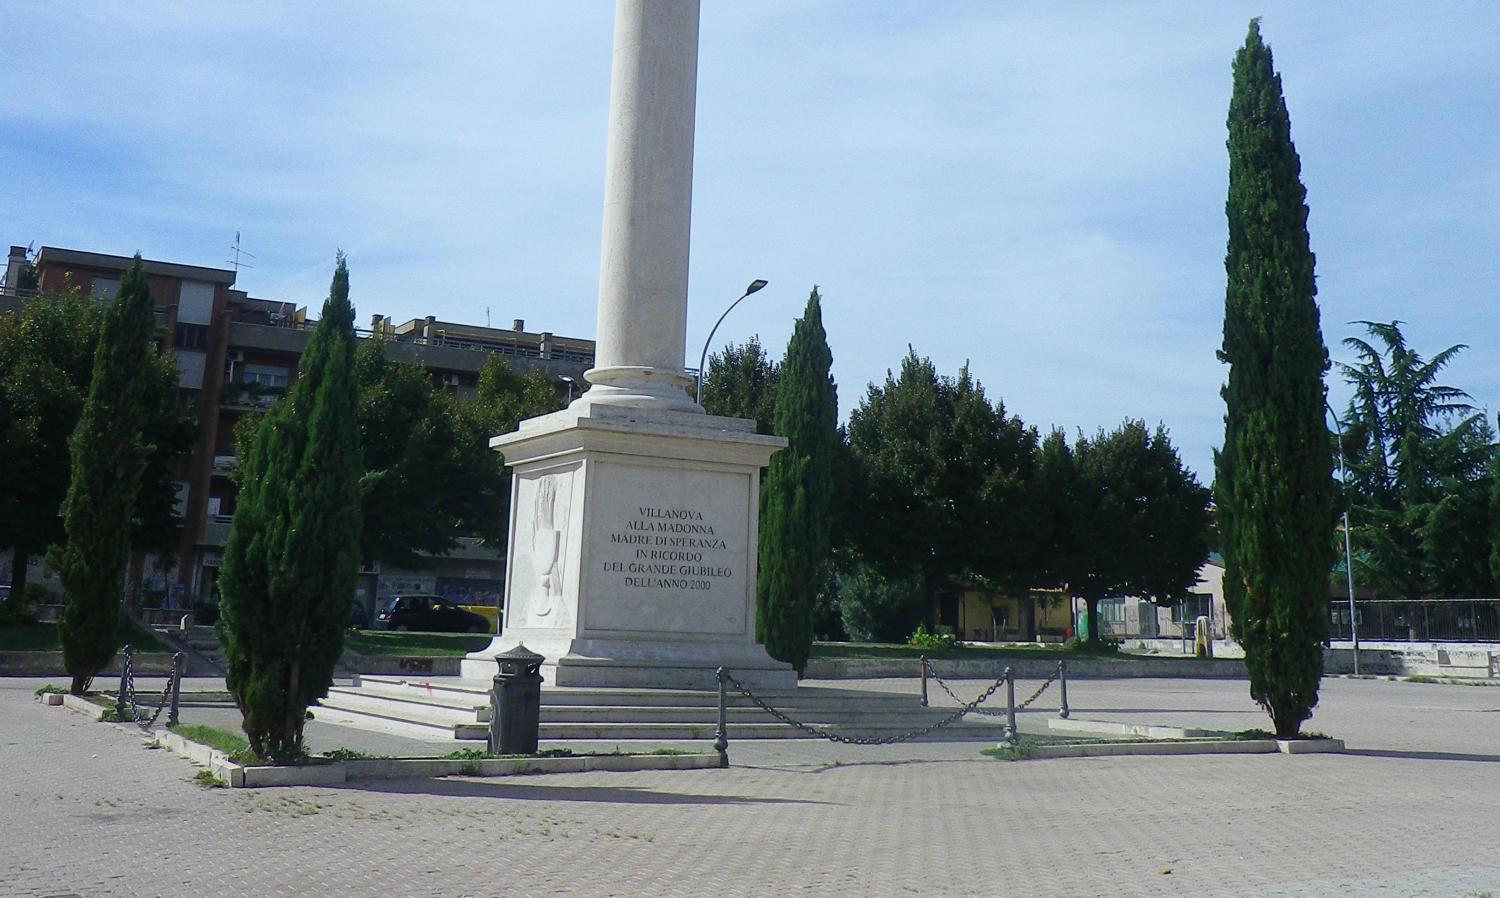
column 189, row 336
column 1191, row 608
column 267, row 376
column 1112, row 611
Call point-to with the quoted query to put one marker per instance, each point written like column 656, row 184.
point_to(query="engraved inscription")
column 670, row 548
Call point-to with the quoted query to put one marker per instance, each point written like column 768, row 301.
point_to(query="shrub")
column 924, row 640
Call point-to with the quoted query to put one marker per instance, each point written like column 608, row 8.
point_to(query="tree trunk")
column 1093, row 619
column 1028, row 619
column 19, row 564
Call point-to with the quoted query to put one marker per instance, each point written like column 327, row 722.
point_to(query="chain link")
column 988, row 711
column 127, row 699
column 822, row 733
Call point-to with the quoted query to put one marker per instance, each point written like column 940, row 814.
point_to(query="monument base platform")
column 598, row 664
column 632, row 553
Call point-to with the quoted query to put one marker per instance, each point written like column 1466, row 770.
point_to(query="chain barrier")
column 993, row 712
column 127, row 698
column 822, row 733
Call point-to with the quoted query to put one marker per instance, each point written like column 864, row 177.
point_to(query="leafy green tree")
column 48, row 360
column 1419, row 456
column 741, row 382
column 942, row 489
column 1136, row 521
column 428, row 478
column 46, row 364
column 1274, row 486
column 109, row 456
column 874, row 607
column 798, row 493
column 293, row 553
column 505, row 397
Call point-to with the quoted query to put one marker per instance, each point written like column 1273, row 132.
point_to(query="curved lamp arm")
column 754, row 287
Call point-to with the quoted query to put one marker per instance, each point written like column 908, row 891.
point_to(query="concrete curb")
column 1030, row 668
column 82, row 705
column 1117, row 749
column 1111, row 728
column 1190, row 747
column 50, row 664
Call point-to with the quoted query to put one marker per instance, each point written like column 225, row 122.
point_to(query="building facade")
column 237, row 354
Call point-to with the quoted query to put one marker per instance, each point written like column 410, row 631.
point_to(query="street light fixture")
column 754, row 287
column 569, row 381
column 1348, row 550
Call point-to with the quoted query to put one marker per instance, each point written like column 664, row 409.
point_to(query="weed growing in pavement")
column 208, row 780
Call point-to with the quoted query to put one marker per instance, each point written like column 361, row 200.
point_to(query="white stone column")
column 648, row 196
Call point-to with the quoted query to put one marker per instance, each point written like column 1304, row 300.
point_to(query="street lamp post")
column 755, row 285
column 569, row 381
column 1348, row 548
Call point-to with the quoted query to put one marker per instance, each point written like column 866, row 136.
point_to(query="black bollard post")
column 924, row 680
column 122, row 701
column 178, row 665
column 516, row 703
column 1010, row 706
column 1062, row 680
column 721, row 734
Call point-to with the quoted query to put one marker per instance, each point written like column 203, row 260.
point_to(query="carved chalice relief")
column 546, row 540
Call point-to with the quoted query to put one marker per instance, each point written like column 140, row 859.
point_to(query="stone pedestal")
column 632, row 549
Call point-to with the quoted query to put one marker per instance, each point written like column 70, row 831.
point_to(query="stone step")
column 476, row 704
column 805, row 697
column 423, row 714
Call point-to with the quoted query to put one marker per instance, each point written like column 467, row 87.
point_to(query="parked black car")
column 432, row 613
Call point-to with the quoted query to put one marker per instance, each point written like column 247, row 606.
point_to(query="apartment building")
column 238, row 354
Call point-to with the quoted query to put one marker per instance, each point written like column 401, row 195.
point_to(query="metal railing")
column 1007, row 678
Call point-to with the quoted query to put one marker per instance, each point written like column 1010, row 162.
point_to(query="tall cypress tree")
column 293, row 551
column 797, row 500
column 1274, row 485
column 108, row 456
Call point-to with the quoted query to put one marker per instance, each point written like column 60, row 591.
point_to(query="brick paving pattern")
column 90, row 812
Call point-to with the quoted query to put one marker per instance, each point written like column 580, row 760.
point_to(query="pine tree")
column 798, row 496
column 1274, row 486
column 293, row 553
column 108, row 455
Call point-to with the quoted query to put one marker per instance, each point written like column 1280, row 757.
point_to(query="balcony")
column 249, row 397
column 226, row 465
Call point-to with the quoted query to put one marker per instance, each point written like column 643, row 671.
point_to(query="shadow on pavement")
column 1420, row 755
column 468, row 788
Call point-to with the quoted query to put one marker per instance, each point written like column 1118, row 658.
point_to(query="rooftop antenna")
column 237, row 262
column 486, row 316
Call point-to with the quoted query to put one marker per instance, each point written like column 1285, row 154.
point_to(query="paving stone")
column 90, row 812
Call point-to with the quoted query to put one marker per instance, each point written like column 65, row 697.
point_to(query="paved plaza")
column 1414, row 809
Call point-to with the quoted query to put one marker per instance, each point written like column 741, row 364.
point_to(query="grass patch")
column 479, row 754
column 1046, row 650
column 51, row 689
column 415, row 645
column 1253, row 734
column 235, row 745
column 1020, row 750
column 44, row 638
column 349, row 754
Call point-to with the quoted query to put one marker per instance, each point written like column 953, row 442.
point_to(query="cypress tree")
column 108, row 455
column 293, row 552
column 1274, row 485
column 797, row 500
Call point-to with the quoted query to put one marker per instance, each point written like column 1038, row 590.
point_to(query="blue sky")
column 1037, row 189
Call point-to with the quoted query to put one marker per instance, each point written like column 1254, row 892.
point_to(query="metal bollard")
column 923, row 659
column 127, row 655
column 178, row 664
column 721, row 734
column 1010, row 706
column 516, row 703
column 1062, row 681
